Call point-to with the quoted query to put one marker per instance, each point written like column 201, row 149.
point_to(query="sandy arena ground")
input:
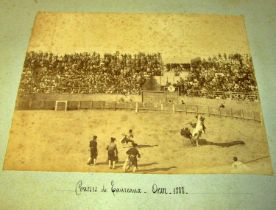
column 59, row 141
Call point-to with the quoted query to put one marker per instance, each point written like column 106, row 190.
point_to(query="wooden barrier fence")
column 139, row 106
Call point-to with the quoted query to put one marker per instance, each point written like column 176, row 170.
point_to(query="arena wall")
column 159, row 97
column 49, row 99
column 234, row 104
column 139, row 106
column 84, row 97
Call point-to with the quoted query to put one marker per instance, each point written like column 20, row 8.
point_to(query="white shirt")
column 238, row 166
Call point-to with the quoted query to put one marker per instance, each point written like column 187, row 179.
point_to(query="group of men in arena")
column 112, row 152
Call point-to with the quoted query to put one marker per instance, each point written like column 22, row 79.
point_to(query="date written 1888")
column 163, row 190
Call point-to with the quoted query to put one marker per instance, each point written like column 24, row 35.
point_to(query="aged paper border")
column 27, row 190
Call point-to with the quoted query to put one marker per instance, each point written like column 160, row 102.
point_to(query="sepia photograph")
column 147, row 93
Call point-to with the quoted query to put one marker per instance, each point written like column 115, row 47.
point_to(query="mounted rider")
column 198, row 129
column 128, row 137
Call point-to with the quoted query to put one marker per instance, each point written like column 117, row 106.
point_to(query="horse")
column 187, row 134
column 198, row 130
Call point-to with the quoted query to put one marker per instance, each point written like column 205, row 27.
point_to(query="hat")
column 113, row 139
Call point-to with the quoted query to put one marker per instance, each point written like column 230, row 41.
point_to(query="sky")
column 178, row 37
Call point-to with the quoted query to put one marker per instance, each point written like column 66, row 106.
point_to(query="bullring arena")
column 152, row 73
column 48, row 140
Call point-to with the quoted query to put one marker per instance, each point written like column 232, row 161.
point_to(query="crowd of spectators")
column 177, row 68
column 221, row 76
column 88, row 73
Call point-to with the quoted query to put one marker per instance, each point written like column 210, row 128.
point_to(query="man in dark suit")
column 93, row 151
column 132, row 153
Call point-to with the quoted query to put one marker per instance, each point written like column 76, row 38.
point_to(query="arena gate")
column 159, row 97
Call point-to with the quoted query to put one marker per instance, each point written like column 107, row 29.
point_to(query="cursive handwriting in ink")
column 163, row 190
column 156, row 189
column 115, row 189
column 159, row 190
column 104, row 189
column 80, row 188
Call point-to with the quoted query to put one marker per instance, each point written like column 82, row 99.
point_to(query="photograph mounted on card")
column 138, row 93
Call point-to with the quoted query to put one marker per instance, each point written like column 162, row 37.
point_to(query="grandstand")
column 223, row 76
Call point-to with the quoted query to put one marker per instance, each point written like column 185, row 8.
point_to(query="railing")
column 252, row 96
column 139, row 106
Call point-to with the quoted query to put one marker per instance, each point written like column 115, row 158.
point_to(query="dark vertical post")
column 30, row 104
column 79, row 104
column 185, row 108
column 42, row 104
column 254, row 115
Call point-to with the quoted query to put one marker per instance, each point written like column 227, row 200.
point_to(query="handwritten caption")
column 112, row 187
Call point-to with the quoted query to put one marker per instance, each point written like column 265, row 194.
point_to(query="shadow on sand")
column 106, row 163
column 202, row 142
column 148, row 164
column 152, row 170
column 146, row 145
column 122, row 162
column 139, row 146
column 185, row 132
